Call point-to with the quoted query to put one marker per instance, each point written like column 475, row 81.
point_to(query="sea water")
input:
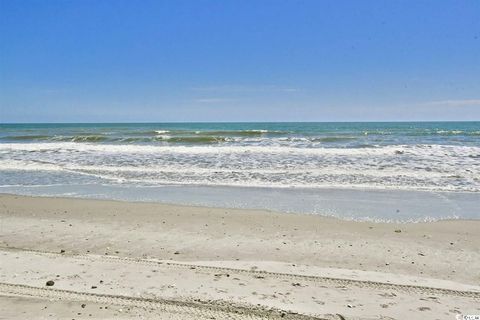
column 402, row 171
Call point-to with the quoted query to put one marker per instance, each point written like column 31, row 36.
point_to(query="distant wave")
column 332, row 139
column 90, row 138
column 174, row 136
column 192, row 139
column 264, row 137
column 161, row 135
column 457, row 132
column 248, row 133
column 27, row 137
column 79, row 138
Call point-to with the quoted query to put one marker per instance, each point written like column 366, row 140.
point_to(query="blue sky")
column 156, row 61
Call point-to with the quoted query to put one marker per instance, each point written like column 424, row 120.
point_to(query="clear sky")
column 259, row 60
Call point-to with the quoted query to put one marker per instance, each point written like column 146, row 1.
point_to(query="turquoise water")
column 435, row 157
column 359, row 134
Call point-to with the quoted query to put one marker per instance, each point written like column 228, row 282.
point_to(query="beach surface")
column 126, row 260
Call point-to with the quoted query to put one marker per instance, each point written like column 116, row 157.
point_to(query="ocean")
column 417, row 171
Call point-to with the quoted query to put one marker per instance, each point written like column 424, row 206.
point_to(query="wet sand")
column 156, row 255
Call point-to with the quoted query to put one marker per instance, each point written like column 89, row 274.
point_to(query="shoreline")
column 270, row 211
column 84, row 241
column 364, row 205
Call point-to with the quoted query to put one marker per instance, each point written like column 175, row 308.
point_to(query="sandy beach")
column 121, row 260
column 199, row 160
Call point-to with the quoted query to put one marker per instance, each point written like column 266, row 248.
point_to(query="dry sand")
column 125, row 260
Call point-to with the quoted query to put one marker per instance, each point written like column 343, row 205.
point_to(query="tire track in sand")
column 409, row 288
column 198, row 309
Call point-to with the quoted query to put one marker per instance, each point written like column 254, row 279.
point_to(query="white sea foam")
column 414, row 167
column 129, row 148
column 333, row 170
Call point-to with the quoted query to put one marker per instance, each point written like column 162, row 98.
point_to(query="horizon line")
column 213, row 122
